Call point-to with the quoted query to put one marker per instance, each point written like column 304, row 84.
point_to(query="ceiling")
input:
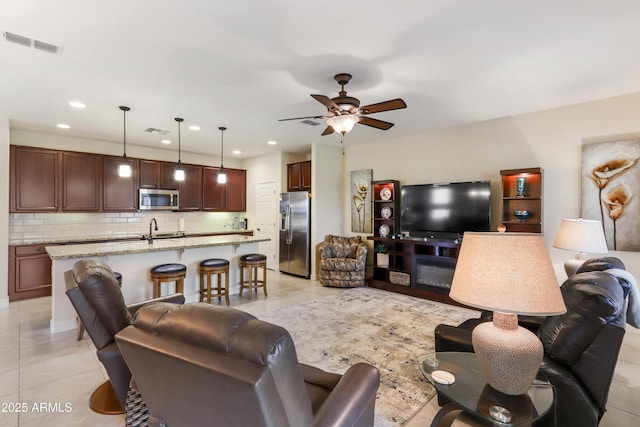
column 246, row 64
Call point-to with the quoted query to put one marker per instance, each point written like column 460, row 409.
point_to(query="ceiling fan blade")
column 327, row 102
column 328, row 131
column 378, row 124
column 302, row 118
column 394, row 104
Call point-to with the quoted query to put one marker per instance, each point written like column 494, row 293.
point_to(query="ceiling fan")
column 343, row 111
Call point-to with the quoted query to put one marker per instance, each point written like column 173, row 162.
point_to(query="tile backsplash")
column 50, row 227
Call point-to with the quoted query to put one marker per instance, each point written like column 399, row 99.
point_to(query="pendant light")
column 222, row 175
column 178, row 173
column 124, row 169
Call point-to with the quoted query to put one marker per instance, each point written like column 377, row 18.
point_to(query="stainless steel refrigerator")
column 295, row 233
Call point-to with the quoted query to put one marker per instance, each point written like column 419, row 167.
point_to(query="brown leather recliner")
column 199, row 364
column 97, row 298
column 580, row 347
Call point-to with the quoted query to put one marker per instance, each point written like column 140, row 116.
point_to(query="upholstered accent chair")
column 199, row 364
column 93, row 291
column 343, row 261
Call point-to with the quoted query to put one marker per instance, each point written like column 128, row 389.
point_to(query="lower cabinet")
column 29, row 272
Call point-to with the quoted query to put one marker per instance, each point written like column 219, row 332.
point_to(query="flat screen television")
column 446, row 210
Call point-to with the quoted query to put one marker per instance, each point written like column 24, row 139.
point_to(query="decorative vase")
column 382, row 260
column 520, row 182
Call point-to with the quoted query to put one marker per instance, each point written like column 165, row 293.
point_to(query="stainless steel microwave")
column 158, row 200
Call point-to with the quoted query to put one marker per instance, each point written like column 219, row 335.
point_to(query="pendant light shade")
column 178, row 173
column 222, row 175
column 124, row 169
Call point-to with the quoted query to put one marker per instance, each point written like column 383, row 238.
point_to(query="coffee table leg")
column 446, row 415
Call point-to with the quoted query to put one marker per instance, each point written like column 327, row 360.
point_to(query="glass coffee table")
column 470, row 393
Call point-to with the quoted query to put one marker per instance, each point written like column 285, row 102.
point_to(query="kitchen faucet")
column 150, row 236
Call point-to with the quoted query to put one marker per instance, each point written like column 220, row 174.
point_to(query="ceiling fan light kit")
column 345, row 111
column 124, row 169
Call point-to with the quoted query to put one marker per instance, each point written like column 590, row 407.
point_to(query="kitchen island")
column 134, row 259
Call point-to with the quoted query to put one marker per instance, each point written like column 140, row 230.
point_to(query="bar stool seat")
column 208, row 269
column 168, row 273
column 118, row 277
column 252, row 262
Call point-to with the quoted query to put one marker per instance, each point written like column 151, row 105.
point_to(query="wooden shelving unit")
column 387, row 207
column 531, row 201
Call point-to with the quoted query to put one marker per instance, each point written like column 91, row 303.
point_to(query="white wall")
column 550, row 139
column 4, row 213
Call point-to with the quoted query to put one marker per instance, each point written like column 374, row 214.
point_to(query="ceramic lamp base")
column 509, row 355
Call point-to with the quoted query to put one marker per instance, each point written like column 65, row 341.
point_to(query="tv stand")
column 417, row 267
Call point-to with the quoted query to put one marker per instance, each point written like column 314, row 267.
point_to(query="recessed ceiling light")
column 63, row 126
column 194, row 127
column 236, row 152
column 166, row 141
column 77, row 104
column 272, row 142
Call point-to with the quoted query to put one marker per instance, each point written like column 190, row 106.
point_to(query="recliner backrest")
column 246, row 371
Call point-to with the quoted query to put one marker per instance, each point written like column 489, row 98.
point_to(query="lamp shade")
column 507, row 272
column 581, row 235
column 343, row 124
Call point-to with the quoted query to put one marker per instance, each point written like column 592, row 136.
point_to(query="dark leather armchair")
column 96, row 296
column 199, row 364
column 580, row 347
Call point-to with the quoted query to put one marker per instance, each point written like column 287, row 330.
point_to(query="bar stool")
column 80, row 325
column 168, row 273
column 252, row 262
column 214, row 267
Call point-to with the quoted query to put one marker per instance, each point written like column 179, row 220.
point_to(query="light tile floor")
column 46, row 379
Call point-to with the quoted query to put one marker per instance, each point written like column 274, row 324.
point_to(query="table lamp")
column 582, row 236
column 510, row 274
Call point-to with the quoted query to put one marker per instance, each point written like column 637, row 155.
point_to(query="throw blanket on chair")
column 633, row 303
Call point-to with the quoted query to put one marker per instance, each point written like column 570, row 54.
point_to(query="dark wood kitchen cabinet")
column 34, row 180
column 81, row 182
column 118, row 194
column 155, row 174
column 229, row 197
column 29, row 272
column 191, row 188
column 299, row 176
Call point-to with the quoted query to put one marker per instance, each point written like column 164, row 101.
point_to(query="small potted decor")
column 382, row 255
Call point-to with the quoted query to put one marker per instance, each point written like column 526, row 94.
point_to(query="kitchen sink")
column 161, row 236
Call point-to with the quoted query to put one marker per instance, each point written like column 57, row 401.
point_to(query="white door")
column 266, row 214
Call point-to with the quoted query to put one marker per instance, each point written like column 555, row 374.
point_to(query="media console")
column 417, row 267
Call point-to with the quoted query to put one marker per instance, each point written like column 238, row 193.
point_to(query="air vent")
column 157, row 131
column 36, row 44
column 310, row 122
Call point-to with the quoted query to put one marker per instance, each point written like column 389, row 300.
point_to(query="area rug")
column 384, row 329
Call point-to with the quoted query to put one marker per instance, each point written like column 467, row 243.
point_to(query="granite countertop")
column 140, row 246
column 117, row 238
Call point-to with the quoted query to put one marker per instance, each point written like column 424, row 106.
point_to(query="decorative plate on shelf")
column 385, row 212
column 384, row 230
column 385, row 194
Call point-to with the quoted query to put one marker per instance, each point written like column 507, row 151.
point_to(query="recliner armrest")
column 452, row 338
column 174, row 298
column 352, row 401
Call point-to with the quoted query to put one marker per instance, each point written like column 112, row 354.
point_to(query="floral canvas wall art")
column 361, row 201
column 611, row 191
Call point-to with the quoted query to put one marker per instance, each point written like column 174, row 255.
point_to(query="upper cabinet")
column 81, row 182
column 224, row 197
column 299, row 176
column 191, row 188
column 155, row 174
column 118, row 194
column 43, row 180
column 34, row 180
column 522, row 200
